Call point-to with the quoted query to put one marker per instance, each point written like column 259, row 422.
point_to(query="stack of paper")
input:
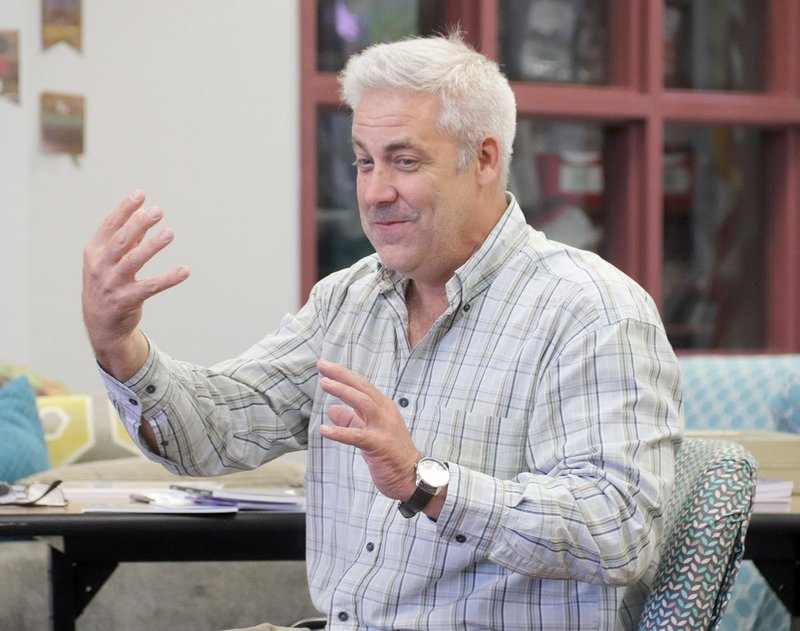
column 245, row 499
column 773, row 496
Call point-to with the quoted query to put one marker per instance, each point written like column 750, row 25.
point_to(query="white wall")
column 197, row 103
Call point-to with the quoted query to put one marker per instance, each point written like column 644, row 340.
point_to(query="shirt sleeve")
column 601, row 446
column 235, row 415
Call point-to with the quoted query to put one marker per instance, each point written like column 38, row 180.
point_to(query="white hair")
column 476, row 99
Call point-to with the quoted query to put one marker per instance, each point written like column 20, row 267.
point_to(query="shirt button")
column 403, row 402
column 461, row 538
column 150, row 389
column 343, row 616
column 370, row 547
column 133, row 402
column 465, row 308
column 164, row 443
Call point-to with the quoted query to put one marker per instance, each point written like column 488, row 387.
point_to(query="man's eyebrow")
column 390, row 148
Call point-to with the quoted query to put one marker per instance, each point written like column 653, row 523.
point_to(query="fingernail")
column 137, row 195
column 154, row 212
column 165, row 235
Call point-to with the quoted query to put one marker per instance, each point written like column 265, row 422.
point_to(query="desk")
column 86, row 548
column 773, row 544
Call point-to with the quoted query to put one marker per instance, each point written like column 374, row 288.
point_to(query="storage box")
column 777, row 453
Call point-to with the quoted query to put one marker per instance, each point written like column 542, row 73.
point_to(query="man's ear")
column 489, row 154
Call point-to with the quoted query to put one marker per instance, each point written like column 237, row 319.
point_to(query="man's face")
column 417, row 210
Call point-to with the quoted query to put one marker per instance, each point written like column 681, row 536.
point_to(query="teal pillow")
column 23, row 451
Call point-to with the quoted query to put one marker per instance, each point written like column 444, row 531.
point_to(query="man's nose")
column 377, row 187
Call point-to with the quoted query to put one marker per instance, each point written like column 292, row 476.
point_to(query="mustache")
column 389, row 214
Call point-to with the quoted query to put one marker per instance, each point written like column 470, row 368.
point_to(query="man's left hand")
column 373, row 423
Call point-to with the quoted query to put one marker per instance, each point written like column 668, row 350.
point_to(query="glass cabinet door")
column 715, row 227
column 346, row 26
column 555, row 41
column 340, row 239
column 713, row 45
column 557, row 177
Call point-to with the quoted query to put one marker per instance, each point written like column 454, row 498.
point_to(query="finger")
column 149, row 287
column 131, row 295
column 344, row 435
column 344, row 417
column 138, row 256
column 131, row 234
column 343, row 375
column 338, row 372
column 349, row 395
column 120, row 215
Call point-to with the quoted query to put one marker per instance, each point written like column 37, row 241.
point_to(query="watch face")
column 433, row 472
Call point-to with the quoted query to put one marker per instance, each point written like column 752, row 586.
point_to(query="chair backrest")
column 706, row 522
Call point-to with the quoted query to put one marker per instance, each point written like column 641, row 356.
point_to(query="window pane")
column 347, row 26
column 714, row 45
column 340, row 240
column 715, row 218
column 557, row 177
column 560, row 41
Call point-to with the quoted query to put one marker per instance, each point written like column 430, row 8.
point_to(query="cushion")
column 82, row 428
column 734, row 391
column 288, row 471
column 786, row 404
column 41, row 385
column 22, row 446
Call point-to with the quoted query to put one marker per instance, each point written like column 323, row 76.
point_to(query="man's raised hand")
column 113, row 296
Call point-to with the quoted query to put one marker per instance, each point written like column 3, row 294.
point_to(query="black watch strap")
column 419, row 500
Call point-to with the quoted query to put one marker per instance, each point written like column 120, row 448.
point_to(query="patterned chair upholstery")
column 707, row 518
column 748, row 392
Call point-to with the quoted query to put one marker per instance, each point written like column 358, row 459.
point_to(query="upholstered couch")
column 86, row 441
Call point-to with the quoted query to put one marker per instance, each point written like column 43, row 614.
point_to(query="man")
column 491, row 417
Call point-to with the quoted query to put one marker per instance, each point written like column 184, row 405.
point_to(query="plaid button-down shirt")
column 548, row 386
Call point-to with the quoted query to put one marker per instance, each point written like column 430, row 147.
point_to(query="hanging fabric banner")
column 61, row 22
column 9, row 65
column 62, row 122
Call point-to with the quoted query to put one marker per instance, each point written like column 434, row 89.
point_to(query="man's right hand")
column 112, row 294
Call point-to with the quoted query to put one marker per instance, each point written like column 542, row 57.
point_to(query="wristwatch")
column 432, row 476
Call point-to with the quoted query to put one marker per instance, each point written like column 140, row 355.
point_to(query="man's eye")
column 362, row 163
column 407, row 163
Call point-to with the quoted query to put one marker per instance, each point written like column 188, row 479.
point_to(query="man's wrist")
column 432, row 478
column 123, row 359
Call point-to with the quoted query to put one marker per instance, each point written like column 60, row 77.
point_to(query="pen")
column 138, row 497
column 192, row 489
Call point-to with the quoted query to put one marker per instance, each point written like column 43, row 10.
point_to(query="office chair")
column 706, row 522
